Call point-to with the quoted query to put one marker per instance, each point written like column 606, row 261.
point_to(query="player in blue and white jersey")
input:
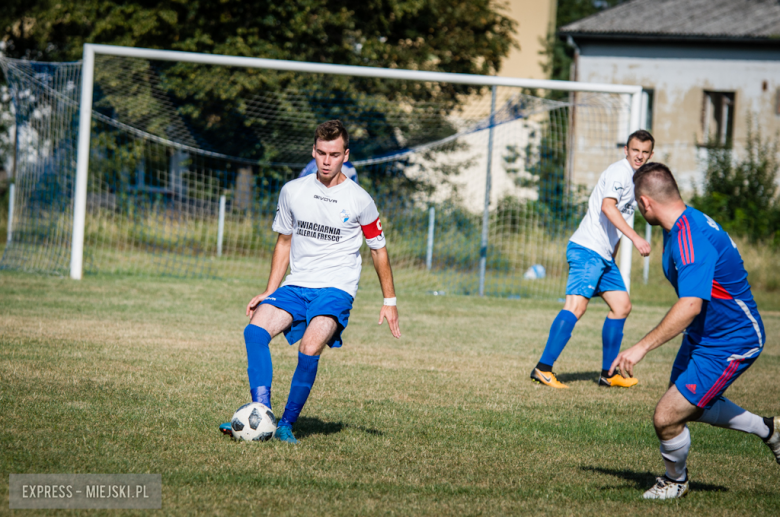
column 592, row 269
column 723, row 331
column 322, row 220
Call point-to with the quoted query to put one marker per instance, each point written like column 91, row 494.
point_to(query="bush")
column 741, row 195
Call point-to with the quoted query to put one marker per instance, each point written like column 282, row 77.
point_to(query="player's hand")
column 252, row 305
column 626, row 360
column 390, row 312
column 643, row 246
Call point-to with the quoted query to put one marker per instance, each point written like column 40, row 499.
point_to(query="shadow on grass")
column 307, row 426
column 644, row 480
column 578, row 376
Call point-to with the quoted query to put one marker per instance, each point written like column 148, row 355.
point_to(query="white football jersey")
column 596, row 232
column 327, row 227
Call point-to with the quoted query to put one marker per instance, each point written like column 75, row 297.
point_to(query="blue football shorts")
column 590, row 273
column 702, row 373
column 305, row 303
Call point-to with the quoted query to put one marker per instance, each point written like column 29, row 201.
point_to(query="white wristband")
column 390, row 301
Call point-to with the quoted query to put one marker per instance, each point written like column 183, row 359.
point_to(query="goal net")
column 479, row 185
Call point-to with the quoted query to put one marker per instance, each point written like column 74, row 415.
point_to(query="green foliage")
column 463, row 36
column 455, row 36
column 542, row 166
column 741, row 194
column 6, row 142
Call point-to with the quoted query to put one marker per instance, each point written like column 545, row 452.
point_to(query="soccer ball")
column 253, row 422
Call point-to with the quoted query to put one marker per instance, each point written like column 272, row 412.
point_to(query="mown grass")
column 120, row 374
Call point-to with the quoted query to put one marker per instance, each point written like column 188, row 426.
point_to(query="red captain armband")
column 372, row 230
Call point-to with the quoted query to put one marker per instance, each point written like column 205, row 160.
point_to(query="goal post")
column 626, row 246
column 82, row 164
column 519, row 144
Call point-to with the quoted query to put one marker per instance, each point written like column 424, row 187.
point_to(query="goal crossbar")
column 355, row 71
column 87, row 83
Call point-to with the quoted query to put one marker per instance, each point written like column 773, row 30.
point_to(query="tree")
column 741, row 194
column 463, row 36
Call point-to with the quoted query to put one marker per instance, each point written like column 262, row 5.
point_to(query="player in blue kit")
column 723, row 331
column 592, row 270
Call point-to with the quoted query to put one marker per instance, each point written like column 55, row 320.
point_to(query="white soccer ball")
column 253, row 422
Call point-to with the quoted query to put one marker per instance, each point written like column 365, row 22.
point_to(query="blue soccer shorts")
column 305, row 303
column 590, row 273
column 702, row 373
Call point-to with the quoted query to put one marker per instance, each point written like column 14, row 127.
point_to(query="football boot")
column 666, row 488
column 285, row 434
column 547, row 378
column 617, row 381
column 773, row 442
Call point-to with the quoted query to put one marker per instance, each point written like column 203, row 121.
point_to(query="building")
column 535, row 20
column 709, row 68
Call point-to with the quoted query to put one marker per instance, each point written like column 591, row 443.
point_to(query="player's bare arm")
column 385, row 273
column 674, row 323
column 610, row 209
column 279, row 263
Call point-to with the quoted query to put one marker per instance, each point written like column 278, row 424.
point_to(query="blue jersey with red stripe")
column 701, row 260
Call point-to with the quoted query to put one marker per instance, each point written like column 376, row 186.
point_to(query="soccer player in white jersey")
column 321, row 220
column 592, row 269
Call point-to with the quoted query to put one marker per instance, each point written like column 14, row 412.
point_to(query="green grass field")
column 134, row 374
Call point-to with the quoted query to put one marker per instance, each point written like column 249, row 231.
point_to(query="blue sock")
column 611, row 338
column 560, row 333
column 302, row 381
column 259, row 367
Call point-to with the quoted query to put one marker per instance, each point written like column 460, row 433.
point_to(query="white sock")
column 724, row 413
column 675, row 454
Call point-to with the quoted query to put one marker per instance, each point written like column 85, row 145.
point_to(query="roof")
column 684, row 19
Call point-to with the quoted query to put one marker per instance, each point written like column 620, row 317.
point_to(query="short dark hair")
column 330, row 131
column 643, row 136
column 656, row 181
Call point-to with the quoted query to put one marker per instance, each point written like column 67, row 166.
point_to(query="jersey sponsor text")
column 318, row 231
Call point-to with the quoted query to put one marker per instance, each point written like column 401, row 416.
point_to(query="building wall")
column 679, row 78
column 535, row 18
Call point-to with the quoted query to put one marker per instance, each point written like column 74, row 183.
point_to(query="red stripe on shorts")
column 722, row 380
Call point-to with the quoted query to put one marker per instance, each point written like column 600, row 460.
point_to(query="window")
column 647, row 109
column 777, row 102
column 718, row 118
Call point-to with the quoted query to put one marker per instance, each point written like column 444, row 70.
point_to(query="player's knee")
column 667, row 424
column 624, row 311
column 309, row 347
column 577, row 308
column 661, row 420
column 661, row 427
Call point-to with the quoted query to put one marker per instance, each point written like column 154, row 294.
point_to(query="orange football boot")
column 547, row 378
